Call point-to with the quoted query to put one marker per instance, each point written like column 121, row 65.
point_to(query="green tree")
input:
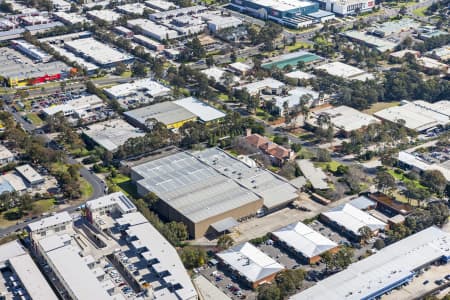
column 269, row 292
column 365, row 233
column 224, row 242
column 385, row 181
column 434, row 180
column 139, row 70
column 193, row 257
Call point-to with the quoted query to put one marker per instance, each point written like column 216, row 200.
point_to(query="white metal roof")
column 418, row 115
column 273, row 189
column 352, row 218
column 78, row 277
column 29, row 173
column 347, row 118
column 340, row 69
column 257, row 86
column 193, row 188
column 315, row 175
column 32, row 279
column 417, row 162
column 5, row 153
column 385, row 268
column 57, row 219
column 250, row 262
column 304, row 239
column 115, row 199
column 111, row 134
column 168, row 260
column 146, row 85
column 10, row 250
column 299, row 75
column 202, row 110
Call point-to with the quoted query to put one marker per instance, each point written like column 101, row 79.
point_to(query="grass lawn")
column 86, row 188
column 126, row 74
column 403, row 178
column 126, row 185
column 223, row 97
column 380, row 106
column 297, row 46
column 420, row 12
column 304, row 153
column 34, row 118
column 401, row 198
column 42, row 206
column 333, row 165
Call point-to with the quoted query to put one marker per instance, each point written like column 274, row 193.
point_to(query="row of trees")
column 435, row 213
column 285, row 284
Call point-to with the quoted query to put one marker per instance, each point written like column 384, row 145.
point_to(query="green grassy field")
column 404, row 179
column 298, row 45
column 34, row 118
column 126, row 185
column 42, row 206
column 380, row 106
column 86, row 189
column 332, row 165
column 420, row 12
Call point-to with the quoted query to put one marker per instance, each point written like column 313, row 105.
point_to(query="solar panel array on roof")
column 126, row 201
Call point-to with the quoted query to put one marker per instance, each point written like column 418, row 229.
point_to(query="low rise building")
column 59, row 223
column 98, row 52
column 291, row 59
column 148, row 43
column 31, row 176
column 348, row 220
column 105, row 15
column 153, row 30
column 31, row 50
column 112, row 134
column 390, row 268
column 347, row 7
column 136, row 9
column 218, row 22
column 168, row 113
column 278, row 154
column 441, row 53
column 304, row 242
column 6, row 156
column 21, row 278
column 115, row 203
column 315, row 176
column 60, row 5
column 204, row 112
column 267, row 86
column 161, row 5
column 250, row 264
column 240, row 68
column 82, row 108
column 416, row 162
column 418, row 115
column 345, row 71
column 69, row 18
column 344, row 119
column 147, row 87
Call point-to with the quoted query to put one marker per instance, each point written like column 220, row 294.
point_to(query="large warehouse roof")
column 112, row 134
column 191, row 187
column 250, row 262
column 165, row 112
column 340, row 69
column 418, row 115
column 274, row 190
column 304, row 239
column 146, row 85
column 99, row 52
column 202, row 110
column 352, row 218
column 347, row 118
column 386, row 269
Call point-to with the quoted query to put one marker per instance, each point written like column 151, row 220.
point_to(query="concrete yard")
column 418, row 287
column 258, row 227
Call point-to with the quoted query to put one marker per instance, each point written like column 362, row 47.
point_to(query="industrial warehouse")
column 304, row 242
column 390, row 268
column 204, row 188
column 174, row 114
column 251, row 264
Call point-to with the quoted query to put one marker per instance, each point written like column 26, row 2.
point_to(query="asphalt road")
column 97, row 184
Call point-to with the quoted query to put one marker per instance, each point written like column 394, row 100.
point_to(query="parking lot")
column 423, row 284
column 228, row 283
